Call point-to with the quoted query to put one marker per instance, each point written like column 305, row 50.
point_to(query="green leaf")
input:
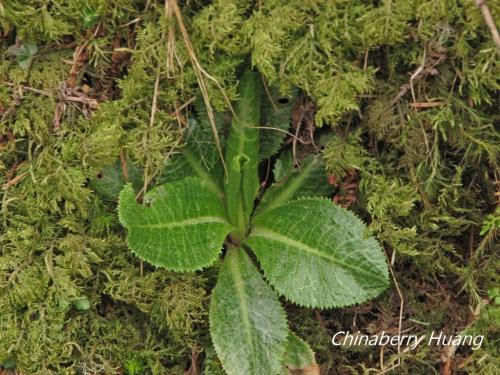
column 276, row 116
column 247, row 323
column 309, row 179
column 234, row 195
column 299, row 358
column 89, row 16
column 24, row 54
column 63, row 303
column 244, row 138
column 183, row 228
column 110, row 181
column 199, row 156
column 8, row 364
column 317, row 254
column 134, row 365
column 81, row 304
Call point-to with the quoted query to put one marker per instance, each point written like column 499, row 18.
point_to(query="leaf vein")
column 186, row 222
column 274, row 236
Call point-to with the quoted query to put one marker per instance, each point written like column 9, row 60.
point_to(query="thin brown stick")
column 200, row 74
column 381, row 358
column 416, row 74
column 401, row 309
column 145, row 138
column 182, row 106
column 296, row 136
column 79, row 58
column 28, row 88
column 424, row 105
column 171, row 52
column 138, row 19
column 279, row 130
column 16, row 101
column 481, row 4
column 123, row 164
column 14, row 181
column 266, row 87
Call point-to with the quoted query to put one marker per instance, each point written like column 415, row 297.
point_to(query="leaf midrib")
column 239, row 286
column 186, row 222
column 294, row 185
column 202, row 173
column 274, row 236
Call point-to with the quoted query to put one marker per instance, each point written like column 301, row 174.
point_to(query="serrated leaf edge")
column 210, row 262
column 280, row 356
column 323, row 306
column 288, row 192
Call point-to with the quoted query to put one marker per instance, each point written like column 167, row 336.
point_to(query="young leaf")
column 183, row 228
column 110, row 181
column 244, row 138
column 299, row 358
column 24, row 54
column 276, row 116
column 308, row 180
column 234, row 194
column 89, row 16
column 316, row 254
column 81, row 303
column 247, row 323
column 199, row 156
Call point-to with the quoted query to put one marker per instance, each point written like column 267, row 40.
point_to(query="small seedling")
column 311, row 251
column 24, row 54
column 90, row 16
column 134, row 366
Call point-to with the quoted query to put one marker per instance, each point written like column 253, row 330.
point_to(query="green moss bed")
column 96, row 93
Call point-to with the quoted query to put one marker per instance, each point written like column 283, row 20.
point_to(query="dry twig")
column 68, row 91
column 481, row 4
column 424, row 105
column 200, row 77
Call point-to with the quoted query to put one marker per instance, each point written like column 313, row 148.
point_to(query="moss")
column 426, row 177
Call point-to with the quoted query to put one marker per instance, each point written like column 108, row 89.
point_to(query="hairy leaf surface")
column 247, row 323
column 292, row 182
column 110, row 181
column 316, row 254
column 244, row 138
column 183, row 228
column 235, row 189
column 199, row 156
column 276, row 118
column 299, row 358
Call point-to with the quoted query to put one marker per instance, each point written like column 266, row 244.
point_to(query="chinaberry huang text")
column 347, row 338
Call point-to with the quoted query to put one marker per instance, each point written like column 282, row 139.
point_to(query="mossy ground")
column 407, row 93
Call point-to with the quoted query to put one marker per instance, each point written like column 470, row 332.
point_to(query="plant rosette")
column 312, row 252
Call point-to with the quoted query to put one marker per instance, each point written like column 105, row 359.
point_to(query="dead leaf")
column 308, row 370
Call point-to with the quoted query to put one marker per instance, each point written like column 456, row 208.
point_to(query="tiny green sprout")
column 24, row 54
column 89, row 16
column 494, row 295
column 134, row 366
column 492, row 222
column 311, row 251
column 8, row 364
column 81, row 303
